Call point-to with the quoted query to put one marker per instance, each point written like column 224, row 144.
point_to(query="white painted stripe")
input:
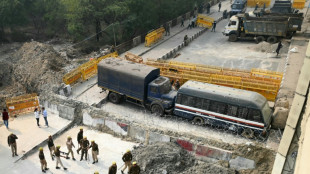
column 210, row 117
column 226, row 116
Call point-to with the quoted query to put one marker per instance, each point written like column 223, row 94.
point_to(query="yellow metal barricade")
column 72, row 76
column 22, row 104
column 299, row 4
column 154, row 36
column 88, row 69
column 204, row 21
column 252, row 3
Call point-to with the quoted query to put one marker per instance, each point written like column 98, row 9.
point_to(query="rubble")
column 271, row 48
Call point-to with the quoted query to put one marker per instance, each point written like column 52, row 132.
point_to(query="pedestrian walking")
column 213, row 26
column 278, row 48
column 182, row 22
column 220, row 5
column 70, row 144
column 208, row 8
column 95, row 151
column 58, row 160
column 5, row 118
column 44, row 113
column 42, row 160
column 127, row 157
column 168, row 29
column 79, row 138
column 12, row 143
column 85, row 147
column 134, row 169
column 113, row 168
column 37, row 116
column 51, row 146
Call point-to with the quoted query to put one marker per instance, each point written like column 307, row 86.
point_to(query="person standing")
column 134, row 169
column 95, row 151
column 220, row 5
column 113, row 168
column 37, row 116
column 182, row 22
column 79, row 138
column 278, row 48
column 85, row 147
column 12, row 143
column 208, row 8
column 168, row 29
column 51, row 146
column 69, row 144
column 58, row 160
column 127, row 157
column 5, row 118
column 44, row 113
column 213, row 26
column 42, row 160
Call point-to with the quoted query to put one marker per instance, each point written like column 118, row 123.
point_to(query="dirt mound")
column 39, row 67
column 207, row 168
column 270, row 48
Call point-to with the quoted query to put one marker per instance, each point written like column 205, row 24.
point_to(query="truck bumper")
column 169, row 111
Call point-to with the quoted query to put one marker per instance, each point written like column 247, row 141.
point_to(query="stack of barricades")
column 252, row 3
column 204, row 21
column 22, row 104
column 299, row 4
column 154, row 36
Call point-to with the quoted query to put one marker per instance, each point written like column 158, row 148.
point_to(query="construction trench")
column 160, row 145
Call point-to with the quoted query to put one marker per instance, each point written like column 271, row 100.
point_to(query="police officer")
column 58, row 160
column 95, row 151
column 69, row 144
column 42, row 160
column 12, row 143
column 113, row 168
column 127, row 157
column 85, row 147
column 79, row 138
column 134, row 169
column 51, row 146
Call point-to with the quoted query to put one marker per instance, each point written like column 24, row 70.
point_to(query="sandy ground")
column 110, row 149
column 29, row 135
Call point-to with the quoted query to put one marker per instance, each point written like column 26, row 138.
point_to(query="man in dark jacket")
column 79, row 138
column 113, row 168
column 95, row 151
column 213, row 26
column 12, row 142
column 134, row 169
column 85, row 147
column 278, row 48
column 51, row 146
column 208, row 8
column 5, row 117
column 127, row 157
column 220, row 5
column 42, row 160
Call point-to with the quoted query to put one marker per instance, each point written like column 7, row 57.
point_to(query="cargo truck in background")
column 137, row 83
column 270, row 26
column 239, row 6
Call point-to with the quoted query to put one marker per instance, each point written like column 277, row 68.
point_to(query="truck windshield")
column 237, row 6
column 232, row 23
column 165, row 87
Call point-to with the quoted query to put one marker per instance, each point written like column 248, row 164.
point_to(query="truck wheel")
column 198, row 120
column 114, row 97
column 157, row 110
column 272, row 39
column 259, row 39
column 233, row 38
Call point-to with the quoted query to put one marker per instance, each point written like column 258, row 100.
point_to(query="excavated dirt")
column 271, row 48
column 170, row 158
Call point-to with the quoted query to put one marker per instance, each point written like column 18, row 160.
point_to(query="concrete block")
column 156, row 137
column 137, row 133
column 136, row 41
column 212, row 152
column 66, row 112
column 286, row 140
column 90, row 121
column 294, row 114
column 186, row 145
column 304, row 78
column 278, row 164
column 308, row 51
column 241, row 163
column 117, row 127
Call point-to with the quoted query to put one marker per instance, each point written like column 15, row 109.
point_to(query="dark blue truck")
column 239, row 6
column 137, row 83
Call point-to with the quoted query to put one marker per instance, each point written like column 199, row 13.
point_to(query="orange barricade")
column 22, row 104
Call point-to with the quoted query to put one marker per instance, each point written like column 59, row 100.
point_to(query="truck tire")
column 260, row 39
column 272, row 39
column 114, row 97
column 198, row 120
column 233, row 38
column 157, row 110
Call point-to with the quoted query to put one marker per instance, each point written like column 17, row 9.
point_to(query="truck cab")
column 232, row 26
column 239, row 6
column 160, row 96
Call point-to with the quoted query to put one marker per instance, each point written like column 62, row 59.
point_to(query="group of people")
column 37, row 116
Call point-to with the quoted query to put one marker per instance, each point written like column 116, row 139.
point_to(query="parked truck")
column 137, row 83
column 269, row 26
column 239, row 6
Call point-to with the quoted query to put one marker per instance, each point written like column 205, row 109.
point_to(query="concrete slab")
column 29, row 135
column 304, row 78
column 89, row 121
column 241, row 163
column 156, row 137
column 66, row 112
column 137, row 133
column 295, row 111
column 308, row 51
column 278, row 164
column 187, row 145
column 286, row 140
column 213, row 152
column 119, row 128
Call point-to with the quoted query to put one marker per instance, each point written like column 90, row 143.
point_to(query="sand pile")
column 270, row 48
